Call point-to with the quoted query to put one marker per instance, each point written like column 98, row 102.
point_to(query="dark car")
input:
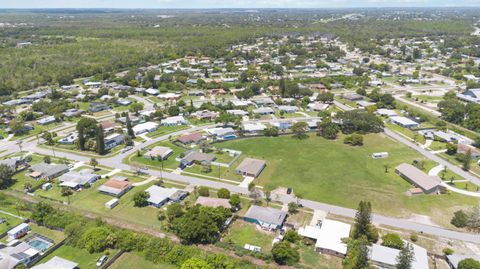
column 289, row 190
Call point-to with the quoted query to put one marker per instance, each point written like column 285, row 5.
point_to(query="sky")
column 194, row 4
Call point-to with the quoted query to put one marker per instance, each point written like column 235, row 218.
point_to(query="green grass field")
column 241, row 233
column 84, row 259
column 335, row 173
column 134, row 260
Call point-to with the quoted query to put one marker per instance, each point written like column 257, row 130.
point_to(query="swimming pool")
column 39, row 244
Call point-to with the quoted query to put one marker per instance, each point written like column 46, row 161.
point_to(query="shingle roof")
column 266, row 214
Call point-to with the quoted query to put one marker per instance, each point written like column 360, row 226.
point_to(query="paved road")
column 430, row 110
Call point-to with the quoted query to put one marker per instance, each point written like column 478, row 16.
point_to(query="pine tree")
column 282, row 87
column 81, row 138
column 405, row 258
column 467, row 160
column 129, row 127
column 362, row 219
column 362, row 258
column 100, row 140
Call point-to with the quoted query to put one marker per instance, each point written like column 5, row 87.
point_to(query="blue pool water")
column 39, row 245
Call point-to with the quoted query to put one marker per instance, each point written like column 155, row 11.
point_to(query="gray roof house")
column 267, row 217
column 195, row 156
column 48, row 171
column 77, row 180
column 159, row 196
column 428, row 184
column 251, row 167
column 57, row 263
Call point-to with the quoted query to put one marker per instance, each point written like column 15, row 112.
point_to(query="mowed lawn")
column 84, row 259
column 335, row 173
column 241, row 233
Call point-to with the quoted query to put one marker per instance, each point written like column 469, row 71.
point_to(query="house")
column 237, row 112
column 47, row 171
column 77, row 180
column 124, row 102
column 15, row 163
column 115, row 187
column 385, row 257
column 317, row 106
column 73, row 112
column 241, row 103
column 213, row 202
column 46, row 120
column 329, row 237
column 169, row 96
column 263, row 111
column 250, row 167
column 134, row 120
column 57, row 263
column 464, row 149
column 264, row 102
column 267, row 217
column 284, row 124
column 454, row 259
column 114, row 140
column 471, row 95
column 152, row 91
column 352, row 97
column 108, row 126
column 16, row 253
column 159, row 196
column 145, row 127
column 222, row 133
column 253, row 128
column 197, row 157
column 97, row 107
column 174, row 121
column 69, row 139
column 18, row 231
column 386, row 112
column 429, row 184
column 205, row 115
column 158, row 152
column 404, row 122
column 288, row 109
column 193, row 138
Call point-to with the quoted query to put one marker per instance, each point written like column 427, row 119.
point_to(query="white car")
column 102, row 260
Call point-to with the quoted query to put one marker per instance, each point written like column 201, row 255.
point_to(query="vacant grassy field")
column 332, row 172
column 133, row 260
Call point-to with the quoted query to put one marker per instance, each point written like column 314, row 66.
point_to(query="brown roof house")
column 191, row 138
column 464, row 148
column 158, row 152
column 115, row 187
column 428, row 184
column 251, row 167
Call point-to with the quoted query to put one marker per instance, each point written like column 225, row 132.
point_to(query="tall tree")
column 363, row 226
column 100, row 140
column 130, row 131
column 405, row 258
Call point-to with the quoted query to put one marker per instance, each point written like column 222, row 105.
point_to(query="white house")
column 145, row 127
column 328, row 236
column 152, row 91
column 46, row 120
column 174, row 121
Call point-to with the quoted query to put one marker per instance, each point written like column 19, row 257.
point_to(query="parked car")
column 289, row 190
column 102, row 260
column 126, row 149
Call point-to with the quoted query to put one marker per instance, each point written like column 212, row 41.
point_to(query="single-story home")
column 267, row 217
column 385, row 257
column 114, row 140
column 115, row 187
column 429, row 184
column 191, row 138
column 152, row 91
column 470, row 95
column 174, row 121
column 159, row 196
column 264, row 111
column 454, row 259
column 213, row 202
column 386, row 112
column 158, row 152
column 464, row 148
column 76, row 180
column 145, row 127
column 237, row 112
column 253, row 128
column 73, row 112
column 97, row 107
column 124, row 102
column 250, row 167
column 222, row 133
column 69, row 139
column 16, row 253
column 288, row 109
column 404, row 122
column 46, row 120
column 317, row 106
column 47, row 171
column 18, row 231
column 57, row 263
column 197, row 157
column 352, row 97
column 329, row 237
column 15, row 163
